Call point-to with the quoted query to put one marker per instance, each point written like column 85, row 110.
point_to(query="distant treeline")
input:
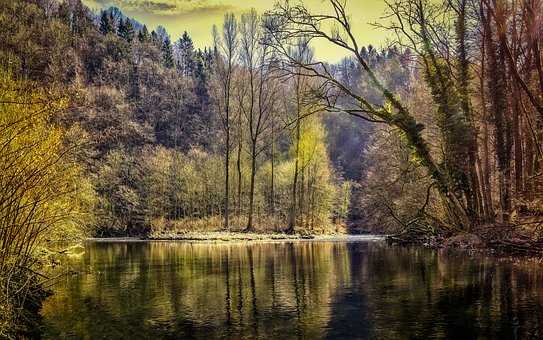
column 157, row 127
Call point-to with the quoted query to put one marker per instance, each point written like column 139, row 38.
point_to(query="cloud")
column 151, row 6
column 168, row 7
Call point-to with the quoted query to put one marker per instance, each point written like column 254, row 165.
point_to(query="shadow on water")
column 310, row 290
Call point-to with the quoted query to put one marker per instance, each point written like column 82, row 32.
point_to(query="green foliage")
column 452, row 122
column 318, row 195
column 121, row 207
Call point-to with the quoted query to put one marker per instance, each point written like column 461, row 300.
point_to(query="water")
column 311, row 290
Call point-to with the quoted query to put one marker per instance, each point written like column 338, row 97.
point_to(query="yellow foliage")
column 42, row 192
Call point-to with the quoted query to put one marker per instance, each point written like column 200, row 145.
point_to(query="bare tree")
column 225, row 54
column 302, row 53
column 255, row 57
column 291, row 22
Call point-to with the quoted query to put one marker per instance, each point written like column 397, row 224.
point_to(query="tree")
column 126, row 30
column 185, row 55
column 167, row 53
column 302, row 53
column 495, row 56
column 288, row 23
column 143, row 34
column 255, row 58
column 107, row 23
column 155, row 39
column 447, row 76
column 225, row 52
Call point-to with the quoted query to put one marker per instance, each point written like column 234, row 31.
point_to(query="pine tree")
column 121, row 29
column 200, row 75
column 185, row 49
column 167, row 53
column 126, row 30
column 107, row 23
column 154, row 39
column 143, row 34
column 130, row 33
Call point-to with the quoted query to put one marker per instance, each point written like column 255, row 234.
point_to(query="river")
column 337, row 289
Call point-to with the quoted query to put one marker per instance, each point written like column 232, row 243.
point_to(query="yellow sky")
column 198, row 16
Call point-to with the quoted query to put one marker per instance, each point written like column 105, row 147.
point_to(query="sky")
column 197, row 17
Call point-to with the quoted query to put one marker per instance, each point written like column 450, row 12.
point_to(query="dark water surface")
column 306, row 290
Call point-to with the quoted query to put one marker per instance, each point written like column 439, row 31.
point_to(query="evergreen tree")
column 121, row 29
column 130, row 33
column 207, row 59
column 167, row 53
column 154, row 39
column 143, row 34
column 161, row 33
column 107, row 23
column 185, row 55
column 126, row 30
column 200, row 75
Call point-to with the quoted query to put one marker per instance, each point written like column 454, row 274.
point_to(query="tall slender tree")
column 225, row 47
column 167, row 53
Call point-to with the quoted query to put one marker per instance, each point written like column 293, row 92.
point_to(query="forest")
column 110, row 128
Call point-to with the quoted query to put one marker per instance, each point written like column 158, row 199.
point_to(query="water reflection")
column 292, row 290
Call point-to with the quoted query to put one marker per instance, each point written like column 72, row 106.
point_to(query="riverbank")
column 499, row 243
column 221, row 236
column 471, row 242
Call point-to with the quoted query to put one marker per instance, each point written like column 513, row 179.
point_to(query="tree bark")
column 250, row 226
column 497, row 89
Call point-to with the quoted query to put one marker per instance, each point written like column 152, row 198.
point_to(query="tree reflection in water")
column 292, row 290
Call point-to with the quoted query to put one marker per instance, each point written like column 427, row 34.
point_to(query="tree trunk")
column 238, row 165
column 227, row 164
column 497, row 89
column 517, row 141
column 272, row 189
column 473, row 195
column 250, row 227
column 486, row 168
column 293, row 207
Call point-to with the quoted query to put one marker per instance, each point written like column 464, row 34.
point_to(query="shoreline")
column 430, row 243
column 225, row 237
column 470, row 243
column 458, row 243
